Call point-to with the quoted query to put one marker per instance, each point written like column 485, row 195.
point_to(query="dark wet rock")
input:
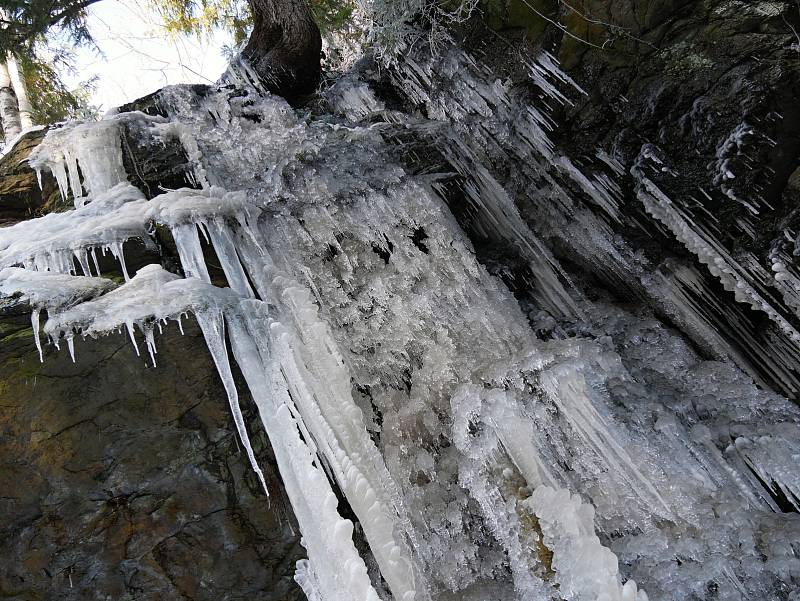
column 123, row 481
column 20, row 196
column 154, row 165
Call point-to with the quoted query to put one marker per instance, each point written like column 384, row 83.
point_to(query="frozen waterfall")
column 482, row 461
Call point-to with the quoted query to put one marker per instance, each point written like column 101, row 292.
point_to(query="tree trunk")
column 9, row 111
column 21, row 90
column 285, row 47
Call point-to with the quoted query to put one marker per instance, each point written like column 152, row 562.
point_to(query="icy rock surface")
column 388, row 366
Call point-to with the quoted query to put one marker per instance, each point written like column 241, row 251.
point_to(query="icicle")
column 226, row 251
column 151, row 344
column 129, row 326
column 74, row 177
column 35, row 327
column 83, row 261
column 212, row 325
column 94, row 260
column 116, row 250
column 187, row 241
column 60, row 173
column 71, row 347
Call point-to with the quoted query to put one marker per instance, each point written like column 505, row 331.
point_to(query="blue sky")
column 137, row 55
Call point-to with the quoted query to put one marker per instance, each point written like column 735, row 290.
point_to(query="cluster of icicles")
column 314, row 426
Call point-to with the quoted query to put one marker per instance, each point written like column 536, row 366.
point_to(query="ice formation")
column 596, row 462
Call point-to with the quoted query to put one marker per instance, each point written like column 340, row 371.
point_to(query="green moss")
column 115, row 277
column 20, row 368
column 10, row 333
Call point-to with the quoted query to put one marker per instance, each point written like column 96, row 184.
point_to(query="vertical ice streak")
column 36, row 336
column 335, row 571
column 225, row 248
column 212, row 325
column 187, row 239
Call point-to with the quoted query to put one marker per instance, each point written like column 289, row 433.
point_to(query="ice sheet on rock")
column 84, row 157
column 48, row 291
column 178, row 207
column 152, row 295
column 53, row 241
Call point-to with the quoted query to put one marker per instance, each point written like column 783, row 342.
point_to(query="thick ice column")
column 320, row 385
column 224, row 245
column 480, row 458
column 584, row 569
column 335, row 571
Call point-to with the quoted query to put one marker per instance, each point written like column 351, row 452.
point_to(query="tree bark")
column 21, row 90
column 285, row 47
column 9, row 110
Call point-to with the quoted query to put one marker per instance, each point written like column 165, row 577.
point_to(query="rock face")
column 121, row 481
column 19, row 191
